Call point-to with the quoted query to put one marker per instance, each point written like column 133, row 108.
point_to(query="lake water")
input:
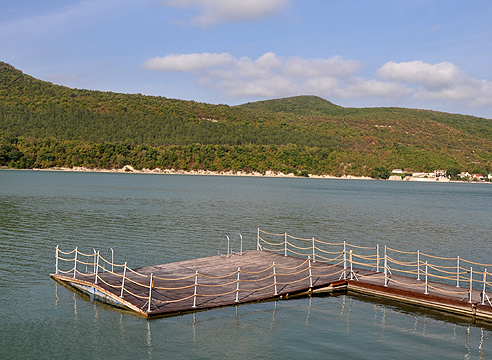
column 154, row 219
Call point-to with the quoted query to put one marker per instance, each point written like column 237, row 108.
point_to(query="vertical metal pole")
column 241, row 250
column 237, row 284
column 484, row 281
column 471, row 284
column 426, row 292
column 112, row 260
column 275, row 279
column 150, row 290
column 228, row 245
column 194, row 294
column 94, row 262
column 344, row 260
column 377, row 258
column 96, row 265
column 310, row 274
column 258, row 241
column 123, row 281
column 56, row 260
column 285, row 241
column 75, row 263
column 385, row 267
column 314, row 253
column 418, row 264
column 351, row 270
column 458, row 273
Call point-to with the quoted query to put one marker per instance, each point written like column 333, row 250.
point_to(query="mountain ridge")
column 358, row 140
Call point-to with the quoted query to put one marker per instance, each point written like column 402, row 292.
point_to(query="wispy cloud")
column 436, row 76
column 442, row 81
column 216, row 11
column 57, row 19
column 188, row 62
column 335, row 77
column 271, row 75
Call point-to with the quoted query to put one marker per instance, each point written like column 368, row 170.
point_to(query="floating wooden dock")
column 208, row 282
column 277, row 270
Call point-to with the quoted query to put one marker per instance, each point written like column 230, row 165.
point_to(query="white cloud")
column 216, row 11
column 270, row 87
column 271, row 76
column 442, row 81
column 484, row 97
column 360, row 88
column 313, row 68
column 436, row 76
column 187, row 62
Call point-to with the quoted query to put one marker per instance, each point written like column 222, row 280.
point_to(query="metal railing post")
column 112, row 260
column 385, row 267
column 150, row 290
column 285, row 241
column 56, row 260
column 458, row 273
column 96, row 265
column 344, row 260
column 94, row 262
column 418, row 264
column 484, row 282
column 351, row 269
column 75, row 263
column 314, row 252
column 377, row 257
column 258, row 241
column 123, row 281
column 241, row 248
column 471, row 285
column 237, row 284
column 194, row 293
column 228, row 246
column 275, row 279
column 426, row 292
column 310, row 274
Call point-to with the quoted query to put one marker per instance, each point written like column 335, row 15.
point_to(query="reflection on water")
column 152, row 220
column 350, row 318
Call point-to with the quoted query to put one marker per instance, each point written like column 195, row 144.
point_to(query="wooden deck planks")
column 439, row 296
column 258, row 283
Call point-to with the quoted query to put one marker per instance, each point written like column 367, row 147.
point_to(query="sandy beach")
column 130, row 170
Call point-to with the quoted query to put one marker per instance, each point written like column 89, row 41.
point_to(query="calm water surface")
column 154, row 219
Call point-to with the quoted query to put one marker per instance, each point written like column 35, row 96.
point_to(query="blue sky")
column 427, row 54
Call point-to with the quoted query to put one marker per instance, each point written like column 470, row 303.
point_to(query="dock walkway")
column 269, row 273
column 220, row 281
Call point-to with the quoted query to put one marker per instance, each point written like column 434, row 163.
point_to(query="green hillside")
column 46, row 125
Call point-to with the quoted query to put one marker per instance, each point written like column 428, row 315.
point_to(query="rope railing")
column 411, row 263
column 327, row 252
column 272, row 250
column 129, row 282
column 360, row 247
column 139, row 289
column 297, row 238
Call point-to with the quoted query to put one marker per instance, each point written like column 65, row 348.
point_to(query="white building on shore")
column 436, row 175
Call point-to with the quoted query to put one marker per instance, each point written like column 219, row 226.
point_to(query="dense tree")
column 45, row 125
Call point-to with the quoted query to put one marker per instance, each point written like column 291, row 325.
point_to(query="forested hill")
column 46, row 125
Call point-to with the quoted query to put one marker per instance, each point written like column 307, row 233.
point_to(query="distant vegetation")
column 44, row 125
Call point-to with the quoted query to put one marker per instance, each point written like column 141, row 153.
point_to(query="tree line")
column 45, row 125
column 24, row 153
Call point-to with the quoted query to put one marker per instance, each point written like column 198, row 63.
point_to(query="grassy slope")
column 362, row 138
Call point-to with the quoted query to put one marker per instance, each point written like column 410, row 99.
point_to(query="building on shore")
column 436, row 175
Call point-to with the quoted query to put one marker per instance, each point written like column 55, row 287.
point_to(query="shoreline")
column 127, row 169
